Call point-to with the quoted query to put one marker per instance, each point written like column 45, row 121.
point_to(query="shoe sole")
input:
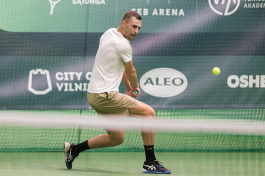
column 155, row 172
column 66, row 147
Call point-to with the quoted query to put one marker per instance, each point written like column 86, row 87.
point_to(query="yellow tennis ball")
column 216, row 71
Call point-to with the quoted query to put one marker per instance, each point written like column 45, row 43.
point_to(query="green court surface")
column 130, row 163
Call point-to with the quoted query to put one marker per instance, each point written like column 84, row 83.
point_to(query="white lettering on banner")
column 160, row 12
column 72, row 87
column 81, row 2
column 254, row 5
column 68, row 76
column 59, row 86
column 245, row 81
column 72, row 76
column 163, row 82
column 88, row 75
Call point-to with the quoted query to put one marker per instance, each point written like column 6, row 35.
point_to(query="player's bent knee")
column 151, row 113
column 120, row 141
column 116, row 139
column 142, row 110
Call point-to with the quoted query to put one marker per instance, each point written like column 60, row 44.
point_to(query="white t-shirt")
column 114, row 50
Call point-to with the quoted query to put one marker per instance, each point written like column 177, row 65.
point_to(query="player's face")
column 131, row 28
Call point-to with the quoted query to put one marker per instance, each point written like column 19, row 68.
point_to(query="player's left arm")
column 127, row 84
column 131, row 75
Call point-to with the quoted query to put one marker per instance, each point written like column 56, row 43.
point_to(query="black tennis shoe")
column 69, row 155
column 155, row 167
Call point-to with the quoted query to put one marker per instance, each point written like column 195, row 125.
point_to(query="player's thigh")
column 110, row 103
column 142, row 109
column 113, row 129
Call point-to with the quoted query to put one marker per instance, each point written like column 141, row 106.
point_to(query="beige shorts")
column 111, row 102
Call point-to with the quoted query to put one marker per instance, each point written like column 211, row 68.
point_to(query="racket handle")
column 136, row 92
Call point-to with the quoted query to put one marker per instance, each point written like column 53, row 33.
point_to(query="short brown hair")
column 130, row 14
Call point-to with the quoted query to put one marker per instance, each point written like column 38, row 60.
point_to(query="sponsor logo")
column 53, row 4
column 44, row 73
column 81, row 2
column 40, row 79
column 229, row 7
column 224, row 7
column 163, row 82
column 246, row 81
column 159, row 11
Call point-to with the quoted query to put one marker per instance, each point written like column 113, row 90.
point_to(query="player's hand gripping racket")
column 135, row 93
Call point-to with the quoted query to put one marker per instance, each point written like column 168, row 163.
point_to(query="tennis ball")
column 216, row 71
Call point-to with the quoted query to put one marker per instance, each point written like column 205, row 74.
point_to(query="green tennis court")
column 38, row 150
column 130, row 163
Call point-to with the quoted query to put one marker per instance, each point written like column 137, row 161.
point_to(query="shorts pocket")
column 103, row 95
column 112, row 95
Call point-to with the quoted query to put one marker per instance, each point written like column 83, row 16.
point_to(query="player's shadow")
column 87, row 170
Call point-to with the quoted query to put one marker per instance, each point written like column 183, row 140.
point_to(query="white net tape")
column 243, row 127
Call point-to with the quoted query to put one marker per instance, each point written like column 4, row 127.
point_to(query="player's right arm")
column 132, row 77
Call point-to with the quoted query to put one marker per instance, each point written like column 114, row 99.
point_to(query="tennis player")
column 113, row 63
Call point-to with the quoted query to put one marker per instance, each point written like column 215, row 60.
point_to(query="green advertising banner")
column 159, row 16
column 48, row 47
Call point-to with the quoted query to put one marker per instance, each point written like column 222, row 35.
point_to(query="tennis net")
column 176, row 131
